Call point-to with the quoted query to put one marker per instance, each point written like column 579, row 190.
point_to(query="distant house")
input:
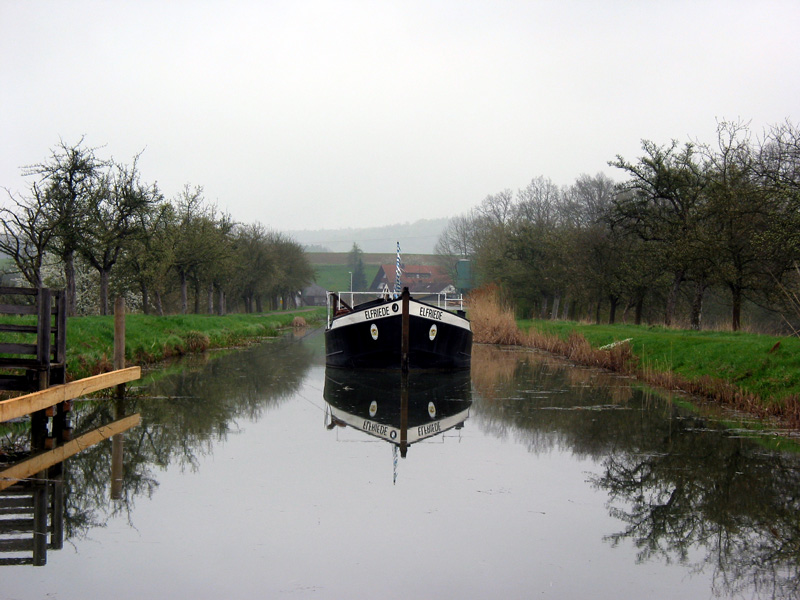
column 420, row 280
column 313, row 295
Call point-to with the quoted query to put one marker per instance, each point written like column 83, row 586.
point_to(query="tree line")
column 688, row 222
column 92, row 226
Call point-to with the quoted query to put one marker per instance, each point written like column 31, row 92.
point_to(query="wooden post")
column 57, row 511
column 117, row 443
column 43, row 332
column 40, row 505
column 43, row 335
column 119, row 341
column 60, row 376
column 405, row 333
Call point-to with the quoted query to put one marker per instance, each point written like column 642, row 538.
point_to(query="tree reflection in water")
column 688, row 489
column 700, row 491
column 183, row 412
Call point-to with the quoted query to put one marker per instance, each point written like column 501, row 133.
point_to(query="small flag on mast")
column 397, row 274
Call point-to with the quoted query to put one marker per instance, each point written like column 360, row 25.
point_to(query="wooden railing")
column 38, row 359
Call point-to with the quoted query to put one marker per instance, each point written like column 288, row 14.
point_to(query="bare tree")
column 539, row 202
column 256, row 264
column 27, row 233
column 753, row 233
column 497, row 208
column 69, row 180
column 663, row 203
column 190, row 249
column 149, row 252
column 111, row 219
column 455, row 243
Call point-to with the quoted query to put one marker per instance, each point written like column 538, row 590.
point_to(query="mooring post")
column 40, row 505
column 43, row 336
column 405, row 332
column 39, row 419
column 119, row 341
column 117, row 452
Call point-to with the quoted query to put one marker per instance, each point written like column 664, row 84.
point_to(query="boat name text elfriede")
column 376, row 313
column 428, row 429
column 376, row 428
column 430, row 313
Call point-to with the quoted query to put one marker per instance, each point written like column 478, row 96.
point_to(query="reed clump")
column 492, row 320
column 577, row 348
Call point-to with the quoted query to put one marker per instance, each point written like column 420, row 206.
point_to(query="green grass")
column 334, row 278
column 744, row 359
column 148, row 338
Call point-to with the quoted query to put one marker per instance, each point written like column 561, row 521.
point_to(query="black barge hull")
column 370, row 337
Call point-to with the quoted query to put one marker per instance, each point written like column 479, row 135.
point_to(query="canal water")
column 254, row 474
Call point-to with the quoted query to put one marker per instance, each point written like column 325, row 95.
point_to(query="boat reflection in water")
column 400, row 408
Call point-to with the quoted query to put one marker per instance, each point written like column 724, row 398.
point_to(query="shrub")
column 194, row 341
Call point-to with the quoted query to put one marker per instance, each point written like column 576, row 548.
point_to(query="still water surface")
column 538, row 480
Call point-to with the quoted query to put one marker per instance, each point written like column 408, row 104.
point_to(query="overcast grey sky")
column 312, row 114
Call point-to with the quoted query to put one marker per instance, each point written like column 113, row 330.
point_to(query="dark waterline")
column 252, row 474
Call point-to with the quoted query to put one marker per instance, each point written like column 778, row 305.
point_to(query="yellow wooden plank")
column 23, row 405
column 40, row 462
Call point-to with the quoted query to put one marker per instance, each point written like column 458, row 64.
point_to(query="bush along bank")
column 151, row 339
column 756, row 374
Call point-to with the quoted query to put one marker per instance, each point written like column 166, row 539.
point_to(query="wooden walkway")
column 29, row 403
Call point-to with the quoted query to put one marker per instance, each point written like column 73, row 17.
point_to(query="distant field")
column 336, row 278
column 333, row 273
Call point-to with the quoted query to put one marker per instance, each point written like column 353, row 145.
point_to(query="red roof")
column 417, row 278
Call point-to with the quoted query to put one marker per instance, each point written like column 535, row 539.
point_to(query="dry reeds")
column 577, row 348
column 492, row 321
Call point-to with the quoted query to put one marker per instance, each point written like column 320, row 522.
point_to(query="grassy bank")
column 758, row 374
column 150, row 339
column 759, row 364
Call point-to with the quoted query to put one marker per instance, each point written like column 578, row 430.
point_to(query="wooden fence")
column 38, row 359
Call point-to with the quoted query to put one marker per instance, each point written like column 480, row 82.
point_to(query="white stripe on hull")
column 393, row 434
column 390, row 309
